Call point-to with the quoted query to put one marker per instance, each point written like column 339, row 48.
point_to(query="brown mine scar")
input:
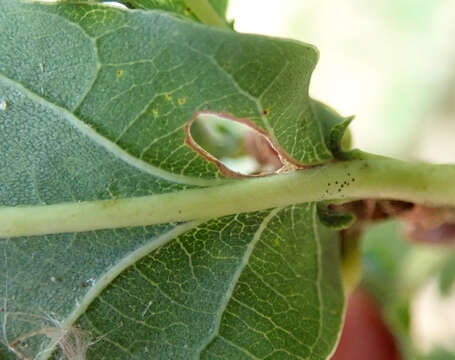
column 287, row 163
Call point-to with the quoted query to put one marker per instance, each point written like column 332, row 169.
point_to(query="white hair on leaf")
column 72, row 341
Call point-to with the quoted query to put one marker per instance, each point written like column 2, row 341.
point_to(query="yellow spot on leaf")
column 119, row 73
column 168, row 97
column 277, row 242
column 155, row 112
column 181, row 101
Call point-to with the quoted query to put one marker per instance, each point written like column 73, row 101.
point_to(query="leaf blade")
column 80, row 126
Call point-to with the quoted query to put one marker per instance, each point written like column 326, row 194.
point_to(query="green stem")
column 368, row 177
column 206, row 13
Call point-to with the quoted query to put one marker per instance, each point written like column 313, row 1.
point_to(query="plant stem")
column 206, row 13
column 367, row 177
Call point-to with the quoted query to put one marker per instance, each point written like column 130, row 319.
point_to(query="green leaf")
column 181, row 7
column 447, row 275
column 6, row 355
column 252, row 288
column 220, row 7
column 334, row 219
column 440, row 354
column 96, row 111
column 212, row 12
column 384, row 253
column 335, row 129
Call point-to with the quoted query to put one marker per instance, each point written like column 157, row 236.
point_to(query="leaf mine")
column 235, row 145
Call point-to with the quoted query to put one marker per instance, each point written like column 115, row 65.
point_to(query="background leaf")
column 177, row 7
column 96, row 111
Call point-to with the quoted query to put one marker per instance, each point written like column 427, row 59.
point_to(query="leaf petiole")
column 368, row 176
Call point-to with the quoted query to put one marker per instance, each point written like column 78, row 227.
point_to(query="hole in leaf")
column 115, row 4
column 236, row 146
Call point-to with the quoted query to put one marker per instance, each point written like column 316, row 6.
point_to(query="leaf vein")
column 235, row 279
column 106, row 143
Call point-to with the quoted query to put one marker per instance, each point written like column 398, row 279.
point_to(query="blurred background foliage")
column 392, row 64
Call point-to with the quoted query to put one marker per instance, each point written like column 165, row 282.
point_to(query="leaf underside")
column 97, row 99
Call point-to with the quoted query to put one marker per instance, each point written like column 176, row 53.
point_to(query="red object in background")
column 365, row 335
